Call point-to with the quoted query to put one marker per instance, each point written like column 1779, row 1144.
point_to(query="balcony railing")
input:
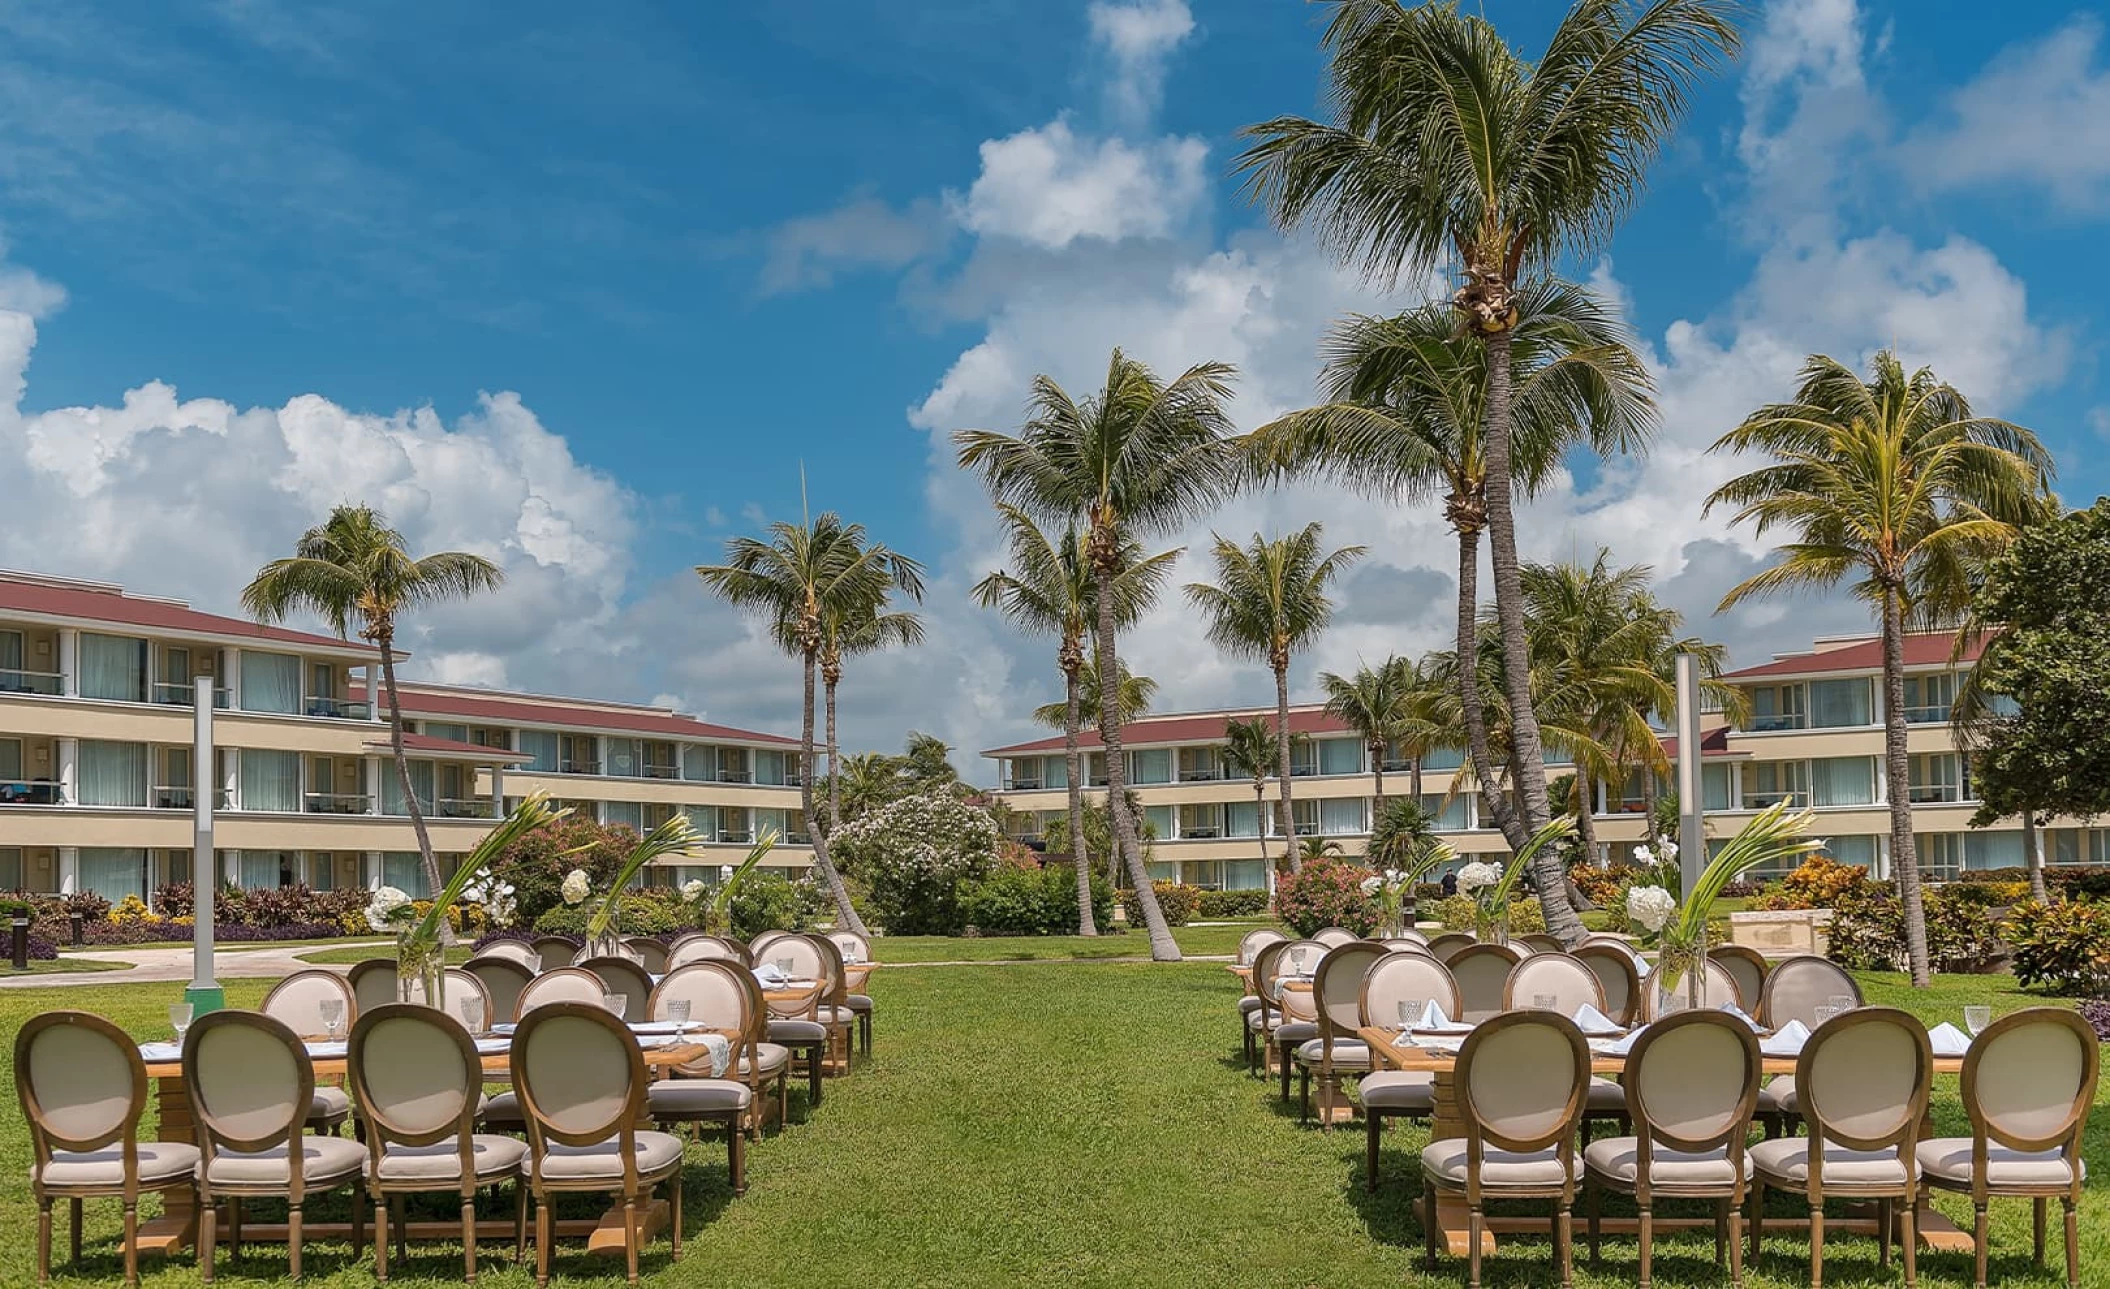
column 463, row 808
column 1025, row 785
column 1778, row 721
column 340, row 803
column 1931, row 714
column 1200, row 776
column 736, row 776
column 342, row 709
column 1396, row 767
column 743, row 836
column 30, row 792
column 1203, row 833
column 661, row 772
column 181, row 796
column 1934, row 794
column 182, row 693
column 806, row 838
column 1767, row 800
column 14, row 680
column 569, row 766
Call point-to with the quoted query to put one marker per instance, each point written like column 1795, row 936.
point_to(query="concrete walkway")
column 173, row 962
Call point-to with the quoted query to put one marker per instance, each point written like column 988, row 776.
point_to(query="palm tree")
column 1249, row 749
column 858, row 629
column 1133, row 696
column 1312, row 849
column 1403, row 421
column 795, row 581
column 1381, row 705
column 354, row 565
column 1052, row 594
column 1139, row 457
column 1268, row 601
column 1447, row 147
column 1896, row 484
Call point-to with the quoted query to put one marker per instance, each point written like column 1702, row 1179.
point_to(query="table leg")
column 1452, row 1219
column 177, row 1227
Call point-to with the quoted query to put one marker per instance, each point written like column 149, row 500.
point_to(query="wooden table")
column 1389, row 1050
column 177, row 1227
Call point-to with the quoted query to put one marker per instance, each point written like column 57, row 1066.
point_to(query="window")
column 732, row 765
column 1940, row 854
column 1935, row 776
column 541, row 747
column 1843, row 781
column 1929, row 698
column 1450, row 816
column 1024, row 773
column 11, row 762
column 655, row 813
column 1340, row 756
column 1197, row 764
column 111, row 774
column 769, row 768
column 392, row 802
column 115, row 667
column 1157, row 822
column 1245, row 875
column 1853, row 850
column 1714, row 787
column 1303, row 757
column 1396, row 758
column 1776, row 707
column 1341, row 816
column 704, row 819
column 271, row 780
column 699, row 763
column 1204, row 820
column 12, row 877
column 1152, row 765
column 175, row 686
column 1443, row 758
column 491, row 736
column 2001, row 849
column 270, row 682
column 659, row 760
column 1629, row 796
column 624, row 758
column 405, row 870
column 322, row 685
column 448, row 730
column 579, row 754
column 11, row 673
column 1304, row 817
column 734, row 824
column 1095, row 772
column 113, row 872
column 1208, row 874
column 1163, row 872
column 631, row 814
column 2062, row 845
column 1242, row 819
column 1055, row 771
column 319, row 870
column 1767, row 783
column 1835, row 704
column 457, row 797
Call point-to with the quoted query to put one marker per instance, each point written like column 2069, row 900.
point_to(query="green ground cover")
column 45, row 967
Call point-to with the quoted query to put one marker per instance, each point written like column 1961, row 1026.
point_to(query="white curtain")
column 1245, row 875
column 1842, row 781
column 113, row 667
column 392, row 787
column 270, row 781
column 270, row 682
column 704, row 819
column 1341, row 815
column 257, row 869
column 114, row 872
column 541, row 745
column 623, row 759
column 10, row 657
column 1838, row 703
column 405, row 870
column 699, row 764
column 630, row 813
column 1242, row 819
column 111, row 774
column 10, row 760
column 1340, row 756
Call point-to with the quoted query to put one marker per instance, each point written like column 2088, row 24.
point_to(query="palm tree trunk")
column 1474, row 714
column 835, row 764
column 845, row 916
column 1904, row 857
column 385, row 641
column 1079, row 859
column 1163, row 948
column 1414, row 780
column 1288, row 817
column 1585, row 820
column 1260, row 824
column 1561, row 921
column 2033, row 858
column 1377, row 787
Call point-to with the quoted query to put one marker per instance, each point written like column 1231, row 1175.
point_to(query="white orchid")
column 725, row 872
column 1478, row 876
column 1650, row 907
column 388, row 905
column 1643, row 854
column 576, row 887
column 692, row 890
column 1666, row 848
column 1372, row 884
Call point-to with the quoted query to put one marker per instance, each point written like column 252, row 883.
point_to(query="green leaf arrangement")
column 722, row 903
column 1498, row 896
column 674, row 836
column 1772, row 835
column 534, row 811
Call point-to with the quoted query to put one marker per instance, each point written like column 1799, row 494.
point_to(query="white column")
column 69, row 869
column 69, row 770
column 69, row 659
column 231, row 777
column 498, row 792
column 373, row 785
column 231, row 676
column 230, row 863
column 370, row 870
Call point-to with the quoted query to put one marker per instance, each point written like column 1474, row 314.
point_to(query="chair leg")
column 208, row 1235
column 234, row 1228
column 1428, row 1226
column 2037, row 1220
column 75, row 1206
column 2073, row 1243
column 381, row 1234
column 813, row 1074
column 1282, row 1059
column 630, row 1237
column 1370, row 1130
column 1596, row 1195
column 1645, row 1228
column 1885, row 1215
column 1564, row 1245
column 736, row 1158
column 1978, row 1238
column 1758, row 1221
column 1473, row 1226
column 1908, row 1242
column 293, row 1240
column 469, row 1238
column 1816, row 1246
column 44, row 1240
column 1721, row 1232
column 542, row 1241
column 520, row 1204
column 674, row 1202
column 1736, row 1245
column 358, row 1226
column 1303, row 1095
column 402, row 1229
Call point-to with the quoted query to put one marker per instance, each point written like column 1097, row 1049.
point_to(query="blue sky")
column 585, row 289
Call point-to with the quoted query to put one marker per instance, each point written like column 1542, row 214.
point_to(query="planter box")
column 1781, row 934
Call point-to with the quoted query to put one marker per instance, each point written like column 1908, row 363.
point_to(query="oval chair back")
column 756, row 946
column 1252, row 942
column 623, row 976
column 297, row 1002
column 1692, row 1085
column 1796, row 987
column 251, row 1086
column 722, row 997
column 1717, row 989
column 503, row 977
column 834, row 981
column 1568, row 981
column 1267, row 971
column 373, row 982
column 460, row 984
column 650, row 952
column 1747, row 967
column 855, row 949
column 1616, row 975
column 1299, row 959
column 559, row 985
column 2028, row 1084
column 1405, row 938
column 82, row 1085
column 1450, row 944
column 1862, row 1081
column 1402, row 976
column 1337, row 989
column 1538, row 942
column 1521, row 1083
column 417, row 1076
column 555, row 951
column 1482, row 972
column 513, row 948
column 581, row 1080
column 700, row 947
column 1333, row 937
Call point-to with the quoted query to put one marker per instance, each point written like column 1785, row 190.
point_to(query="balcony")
column 744, row 837
column 340, row 709
column 339, row 803
column 182, row 796
column 1026, row 785
column 570, row 766
column 1777, row 721
column 182, row 693
column 1200, row 776
column 1932, row 794
column 1203, row 833
column 1767, row 800
column 660, row 772
column 14, row 680
column 1396, row 767
column 30, row 792
column 736, row 776
column 463, row 808
column 1932, row 714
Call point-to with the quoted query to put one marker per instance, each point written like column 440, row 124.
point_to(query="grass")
column 45, row 967
column 1083, row 1124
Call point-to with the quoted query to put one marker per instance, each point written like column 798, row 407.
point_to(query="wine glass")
column 615, row 1003
column 1842, row 1003
column 1823, row 1012
column 179, row 1019
column 1545, row 1002
column 678, row 1012
column 1410, row 1010
column 473, row 1013
column 332, row 1012
column 784, row 968
column 1976, row 1017
column 1296, row 962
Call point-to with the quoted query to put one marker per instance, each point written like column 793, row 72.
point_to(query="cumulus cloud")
column 1138, row 37
column 862, row 233
column 1050, row 186
column 2037, row 117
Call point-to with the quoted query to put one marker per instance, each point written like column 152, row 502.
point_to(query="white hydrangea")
column 1477, row 877
column 576, row 887
column 388, row 905
column 725, row 872
column 1372, row 884
column 1650, row 907
column 692, row 890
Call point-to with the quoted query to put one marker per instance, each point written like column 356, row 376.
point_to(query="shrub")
column 537, row 863
column 2064, row 947
column 244, row 933
column 1176, row 902
column 1231, row 904
column 12, row 909
column 1031, row 901
column 40, row 949
column 1819, row 882
column 764, row 900
column 176, row 899
column 2072, row 880
column 1605, row 887
column 1326, row 894
column 914, row 855
column 1461, row 913
column 496, row 934
column 1867, row 931
column 646, row 912
column 2096, row 1011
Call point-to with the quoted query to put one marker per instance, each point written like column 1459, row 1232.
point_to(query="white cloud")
column 2037, row 117
column 862, row 233
column 1138, row 37
column 1049, row 187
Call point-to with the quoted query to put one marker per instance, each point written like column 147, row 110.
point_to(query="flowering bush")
column 914, row 855
column 1176, row 902
column 2064, row 947
column 1326, row 894
column 1819, row 882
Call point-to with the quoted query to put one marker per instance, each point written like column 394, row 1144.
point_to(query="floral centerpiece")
column 1679, row 927
column 1492, row 887
column 676, row 836
column 1393, row 888
column 421, row 956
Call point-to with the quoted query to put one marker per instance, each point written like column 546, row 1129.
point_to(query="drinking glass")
column 1824, row 1012
column 179, row 1018
column 784, row 968
column 1842, row 1003
column 678, row 1012
column 1410, row 1010
column 615, row 1003
column 1296, row 961
column 332, row 1011
column 1976, row 1017
column 473, row 1013
column 1545, row 1002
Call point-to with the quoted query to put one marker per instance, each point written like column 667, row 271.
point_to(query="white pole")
column 1692, row 833
column 204, row 993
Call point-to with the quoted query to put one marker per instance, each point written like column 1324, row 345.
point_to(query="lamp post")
column 204, row 993
column 1692, row 833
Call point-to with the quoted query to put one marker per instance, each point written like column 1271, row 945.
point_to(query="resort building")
column 1815, row 737
column 97, row 783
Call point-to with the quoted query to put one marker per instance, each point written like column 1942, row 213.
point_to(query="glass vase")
column 1687, row 965
column 421, row 971
column 609, row 943
column 1491, row 926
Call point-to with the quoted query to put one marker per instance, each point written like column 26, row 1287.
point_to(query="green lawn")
column 62, row 963
column 1082, row 1124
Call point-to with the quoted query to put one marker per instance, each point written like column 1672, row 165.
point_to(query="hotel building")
column 1815, row 737
column 97, row 782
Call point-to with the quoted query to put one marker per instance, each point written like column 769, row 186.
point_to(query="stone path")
column 173, row 962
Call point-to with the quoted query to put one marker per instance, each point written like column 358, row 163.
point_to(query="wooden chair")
column 1747, row 967
column 83, row 1088
column 1337, row 996
column 1691, row 1086
column 1482, row 972
column 856, row 953
column 1539, row 942
column 698, row 946
column 250, row 1088
column 418, row 1077
column 461, row 984
column 1863, row 1079
column 1250, row 944
column 626, row 977
column 517, row 950
column 2028, row 1084
column 1795, row 988
column 798, row 1025
column 1521, row 1081
column 581, row 1081
column 555, row 951
column 503, row 977
column 650, row 952
column 1450, row 944
column 1568, row 981
column 1719, row 987
column 1261, row 1021
column 1404, row 944
column 296, row 1002
column 757, row 947
column 1616, row 975
column 557, row 985
column 1291, row 1020
column 373, row 982
column 1399, row 977
column 1333, row 937
column 722, row 999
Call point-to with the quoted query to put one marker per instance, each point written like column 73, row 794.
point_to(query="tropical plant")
column 1269, row 600
column 1248, row 750
column 1313, row 849
column 1139, row 457
column 2064, row 947
column 1384, row 707
column 1329, row 893
column 419, row 942
column 915, row 854
column 1895, row 484
column 795, row 581
column 1051, row 593
column 1133, row 696
column 1403, row 421
column 354, row 566
column 1447, row 142
column 1494, row 893
column 1772, row 836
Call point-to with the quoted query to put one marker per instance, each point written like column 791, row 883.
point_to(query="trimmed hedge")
column 1231, row 904
column 1176, row 902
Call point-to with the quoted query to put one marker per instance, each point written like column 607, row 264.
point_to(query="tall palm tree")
column 1051, row 594
column 1139, row 457
column 858, row 629
column 1133, row 696
column 1447, row 147
column 1249, row 749
column 795, row 581
column 1269, row 601
column 354, row 565
column 1894, row 483
column 1382, row 706
column 1403, row 421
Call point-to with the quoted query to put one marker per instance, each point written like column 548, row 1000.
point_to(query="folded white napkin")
column 1785, row 1041
column 1433, row 1021
column 161, row 1051
column 768, row 974
column 653, row 1027
column 1947, row 1040
column 721, row 1051
column 1738, row 1012
column 1592, row 1021
column 327, row 1051
column 492, row 1046
column 1625, row 1046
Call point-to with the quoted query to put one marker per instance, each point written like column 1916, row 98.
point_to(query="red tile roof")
column 1714, row 742
column 1204, row 727
column 446, row 747
column 1931, row 649
column 112, row 605
column 509, row 709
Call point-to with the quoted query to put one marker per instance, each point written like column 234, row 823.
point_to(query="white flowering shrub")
column 913, row 855
column 1650, row 908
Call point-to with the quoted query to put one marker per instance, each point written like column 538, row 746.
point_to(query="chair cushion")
column 1444, row 1163
column 1948, row 1159
column 657, row 1153
column 1348, row 1054
column 1604, row 1097
column 1248, row 1005
column 797, row 1032
column 861, row 1004
column 442, row 1161
column 1296, row 1031
column 674, row 1098
column 837, row 1015
column 329, row 1103
column 1412, row 1091
column 1778, row 1097
column 503, row 1111
column 1617, row 1160
column 160, row 1163
column 769, row 1058
column 322, row 1159
column 1787, row 1161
